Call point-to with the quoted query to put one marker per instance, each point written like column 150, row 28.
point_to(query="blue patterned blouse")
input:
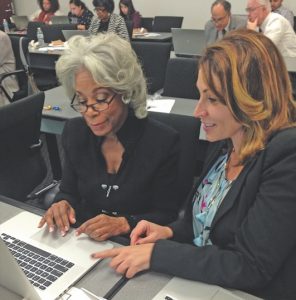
column 84, row 19
column 207, row 199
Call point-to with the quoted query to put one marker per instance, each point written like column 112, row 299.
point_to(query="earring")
column 124, row 100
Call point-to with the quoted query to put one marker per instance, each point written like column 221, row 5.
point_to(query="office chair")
column 54, row 32
column 180, row 79
column 153, row 57
column 192, row 150
column 147, row 23
column 129, row 26
column 22, row 166
column 32, row 30
column 165, row 23
column 19, row 44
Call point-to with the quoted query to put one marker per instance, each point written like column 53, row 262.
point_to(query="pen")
column 117, row 286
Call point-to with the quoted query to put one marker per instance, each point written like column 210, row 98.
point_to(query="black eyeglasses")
column 103, row 100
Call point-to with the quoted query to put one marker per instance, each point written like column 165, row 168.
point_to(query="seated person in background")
column 222, row 21
column 79, row 14
column 277, row 7
column 238, row 231
column 48, row 9
column 106, row 20
column 120, row 166
column 7, row 64
column 128, row 12
column 273, row 25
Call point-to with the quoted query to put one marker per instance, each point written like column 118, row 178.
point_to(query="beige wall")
column 195, row 12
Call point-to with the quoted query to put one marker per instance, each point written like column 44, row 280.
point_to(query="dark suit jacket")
column 145, row 185
column 253, row 231
column 211, row 33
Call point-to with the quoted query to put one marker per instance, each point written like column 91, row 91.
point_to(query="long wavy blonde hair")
column 248, row 74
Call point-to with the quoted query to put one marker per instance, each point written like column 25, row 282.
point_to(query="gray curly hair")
column 111, row 62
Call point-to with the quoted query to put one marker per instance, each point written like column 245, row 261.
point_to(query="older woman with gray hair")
column 120, row 166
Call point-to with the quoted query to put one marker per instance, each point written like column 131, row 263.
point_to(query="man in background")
column 277, row 7
column 273, row 25
column 221, row 22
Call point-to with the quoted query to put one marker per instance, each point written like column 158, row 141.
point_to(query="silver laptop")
column 21, row 22
column 69, row 33
column 178, row 288
column 60, row 20
column 188, row 42
column 51, row 263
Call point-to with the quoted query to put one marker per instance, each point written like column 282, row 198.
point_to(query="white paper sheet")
column 160, row 105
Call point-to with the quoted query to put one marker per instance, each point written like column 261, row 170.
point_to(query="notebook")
column 21, row 22
column 69, row 33
column 188, row 42
column 183, row 289
column 52, row 263
column 60, row 20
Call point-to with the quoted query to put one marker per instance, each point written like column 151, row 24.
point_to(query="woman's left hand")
column 101, row 227
column 128, row 260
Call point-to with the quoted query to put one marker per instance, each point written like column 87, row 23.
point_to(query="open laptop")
column 52, row 263
column 188, row 42
column 69, row 33
column 21, row 22
column 178, row 288
column 60, row 20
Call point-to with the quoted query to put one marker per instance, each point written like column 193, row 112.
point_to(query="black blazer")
column 253, row 232
column 145, row 185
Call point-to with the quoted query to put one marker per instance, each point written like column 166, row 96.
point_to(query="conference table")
column 44, row 59
column 101, row 279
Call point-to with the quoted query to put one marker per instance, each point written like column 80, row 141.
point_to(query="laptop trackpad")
column 52, row 239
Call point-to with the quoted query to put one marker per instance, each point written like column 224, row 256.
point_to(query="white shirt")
column 280, row 31
column 287, row 13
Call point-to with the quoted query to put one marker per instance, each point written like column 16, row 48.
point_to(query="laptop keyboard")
column 41, row 267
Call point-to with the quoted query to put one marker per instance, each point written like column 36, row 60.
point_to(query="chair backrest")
column 129, row 26
column 22, row 167
column 188, row 128
column 153, row 57
column 21, row 77
column 147, row 23
column 32, row 30
column 54, row 32
column 181, row 77
column 165, row 23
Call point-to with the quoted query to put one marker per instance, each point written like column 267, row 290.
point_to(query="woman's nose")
column 199, row 110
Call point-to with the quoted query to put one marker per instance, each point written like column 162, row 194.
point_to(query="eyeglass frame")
column 92, row 105
column 250, row 9
column 218, row 20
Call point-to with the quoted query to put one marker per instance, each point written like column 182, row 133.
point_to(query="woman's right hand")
column 148, row 232
column 60, row 215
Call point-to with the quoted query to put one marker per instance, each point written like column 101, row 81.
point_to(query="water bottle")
column 5, row 26
column 40, row 37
